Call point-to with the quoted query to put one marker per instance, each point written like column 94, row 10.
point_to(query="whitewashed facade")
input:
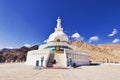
column 57, row 45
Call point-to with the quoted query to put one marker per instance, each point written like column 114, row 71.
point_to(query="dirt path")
column 20, row 71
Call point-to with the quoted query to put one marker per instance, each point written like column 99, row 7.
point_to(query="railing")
column 46, row 60
column 58, row 44
column 65, row 58
column 34, row 52
column 77, row 52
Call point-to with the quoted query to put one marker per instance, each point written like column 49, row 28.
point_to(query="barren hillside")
column 101, row 52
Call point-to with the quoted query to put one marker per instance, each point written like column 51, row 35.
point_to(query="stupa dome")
column 58, row 35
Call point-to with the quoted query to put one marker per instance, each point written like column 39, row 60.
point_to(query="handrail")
column 65, row 57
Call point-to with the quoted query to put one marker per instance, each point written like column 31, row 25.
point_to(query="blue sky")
column 29, row 22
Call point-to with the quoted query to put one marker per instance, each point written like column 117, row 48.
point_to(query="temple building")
column 57, row 52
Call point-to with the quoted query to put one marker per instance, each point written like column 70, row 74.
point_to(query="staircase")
column 60, row 60
column 50, row 61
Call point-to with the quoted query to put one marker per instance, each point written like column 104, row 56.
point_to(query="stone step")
column 50, row 61
column 59, row 60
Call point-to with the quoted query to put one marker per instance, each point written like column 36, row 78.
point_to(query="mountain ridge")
column 109, row 53
column 100, row 52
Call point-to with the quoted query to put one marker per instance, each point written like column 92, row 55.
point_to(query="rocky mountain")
column 15, row 55
column 101, row 52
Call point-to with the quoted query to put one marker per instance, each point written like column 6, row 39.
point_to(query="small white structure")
column 57, row 51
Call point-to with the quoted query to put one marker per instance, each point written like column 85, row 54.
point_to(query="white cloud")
column 45, row 41
column 113, row 32
column 93, row 38
column 116, row 40
column 77, row 36
column 8, row 47
column 27, row 45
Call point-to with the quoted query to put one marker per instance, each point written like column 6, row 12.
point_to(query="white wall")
column 80, row 58
column 32, row 57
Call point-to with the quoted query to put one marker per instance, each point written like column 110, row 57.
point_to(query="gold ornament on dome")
column 57, row 48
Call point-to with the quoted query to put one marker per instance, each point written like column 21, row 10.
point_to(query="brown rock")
column 101, row 52
column 15, row 55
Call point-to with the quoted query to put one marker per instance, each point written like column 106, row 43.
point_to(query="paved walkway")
column 20, row 71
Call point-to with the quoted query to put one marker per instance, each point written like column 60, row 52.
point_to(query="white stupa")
column 58, row 34
column 57, row 49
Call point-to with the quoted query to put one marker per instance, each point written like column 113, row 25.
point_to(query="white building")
column 57, row 49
